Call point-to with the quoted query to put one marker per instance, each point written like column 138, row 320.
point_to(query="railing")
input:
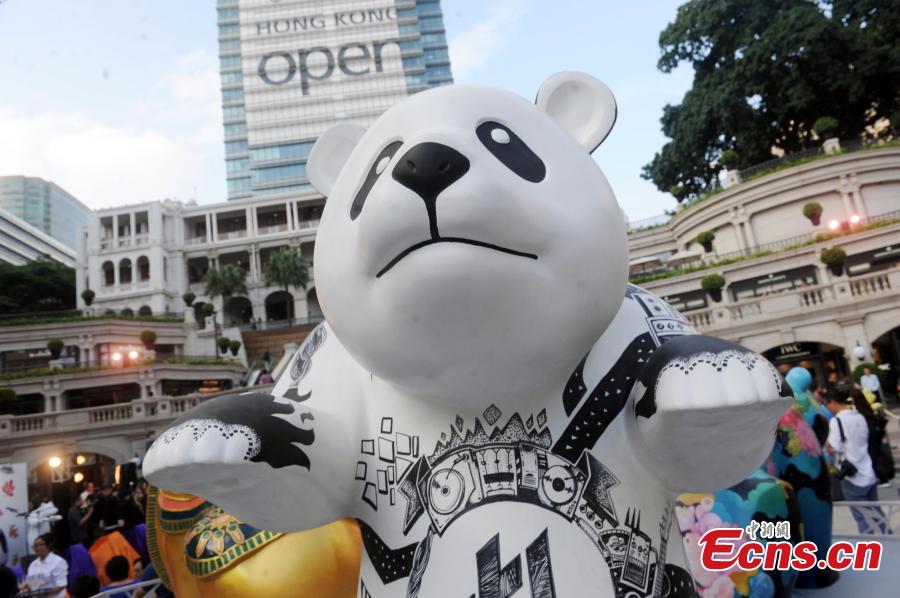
column 273, row 228
column 796, row 301
column 235, row 234
column 195, row 240
column 140, row 240
column 77, row 421
column 126, row 363
column 308, row 223
column 275, row 324
column 50, row 317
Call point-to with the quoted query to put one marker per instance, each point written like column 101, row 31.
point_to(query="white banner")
column 13, row 509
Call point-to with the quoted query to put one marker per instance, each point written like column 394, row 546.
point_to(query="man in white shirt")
column 870, row 382
column 848, row 436
column 48, row 571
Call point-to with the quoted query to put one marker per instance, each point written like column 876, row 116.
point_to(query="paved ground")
column 865, row 584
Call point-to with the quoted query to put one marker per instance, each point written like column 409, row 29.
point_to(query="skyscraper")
column 45, row 206
column 291, row 69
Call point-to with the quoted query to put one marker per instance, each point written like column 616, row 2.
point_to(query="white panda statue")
column 493, row 402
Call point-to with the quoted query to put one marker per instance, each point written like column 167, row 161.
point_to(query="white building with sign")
column 290, row 70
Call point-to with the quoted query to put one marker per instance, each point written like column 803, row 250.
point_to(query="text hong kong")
column 354, row 59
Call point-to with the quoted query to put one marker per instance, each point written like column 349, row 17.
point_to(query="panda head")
column 470, row 249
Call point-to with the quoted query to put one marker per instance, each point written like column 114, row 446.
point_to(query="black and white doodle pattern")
column 273, row 439
column 389, row 455
column 199, row 427
column 497, row 581
column 303, row 361
column 389, row 564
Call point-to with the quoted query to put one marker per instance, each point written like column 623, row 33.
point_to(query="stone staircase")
column 257, row 342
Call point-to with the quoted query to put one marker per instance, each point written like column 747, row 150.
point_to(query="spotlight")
column 117, row 356
column 80, row 460
column 834, row 224
column 54, row 462
column 854, row 219
column 78, row 477
column 132, row 354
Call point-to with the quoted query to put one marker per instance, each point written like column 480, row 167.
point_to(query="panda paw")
column 696, row 373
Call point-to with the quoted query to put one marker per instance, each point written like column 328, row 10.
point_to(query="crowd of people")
column 101, row 545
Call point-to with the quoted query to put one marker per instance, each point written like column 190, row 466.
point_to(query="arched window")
column 145, row 311
column 109, row 274
column 125, row 271
column 143, row 268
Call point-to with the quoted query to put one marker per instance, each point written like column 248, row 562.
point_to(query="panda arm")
column 274, row 460
column 705, row 412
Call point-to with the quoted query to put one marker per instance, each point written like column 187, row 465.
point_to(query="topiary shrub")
column 7, row 395
column 209, row 309
column 224, row 344
column 189, row 298
column 826, row 127
column 834, row 258
column 235, row 346
column 712, row 284
column 148, row 337
column 706, row 238
column 55, row 346
column 729, row 159
column 87, row 296
column 813, row 211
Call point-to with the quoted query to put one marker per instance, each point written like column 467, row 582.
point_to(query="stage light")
column 54, row 462
column 117, row 356
column 80, row 460
column 132, row 354
column 834, row 224
column 78, row 477
column 854, row 219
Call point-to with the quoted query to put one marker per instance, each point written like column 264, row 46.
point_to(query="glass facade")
column 45, row 206
column 291, row 70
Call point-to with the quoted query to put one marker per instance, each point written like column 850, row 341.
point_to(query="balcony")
column 847, row 295
column 272, row 229
column 142, row 240
column 195, row 240
column 235, row 234
column 308, row 224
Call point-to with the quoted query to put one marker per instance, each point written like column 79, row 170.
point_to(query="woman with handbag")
column 848, row 440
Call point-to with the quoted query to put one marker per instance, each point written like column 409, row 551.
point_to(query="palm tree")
column 225, row 282
column 286, row 269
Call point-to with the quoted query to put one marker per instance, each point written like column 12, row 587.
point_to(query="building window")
column 229, row 78
column 277, row 173
column 232, row 29
column 143, row 268
column 238, row 185
column 238, row 165
column 235, row 129
column 435, row 23
column 125, row 271
column 236, row 147
column 230, row 62
column 109, row 274
column 280, row 152
column 230, row 45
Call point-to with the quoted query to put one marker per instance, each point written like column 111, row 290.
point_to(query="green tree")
column 41, row 285
column 764, row 72
column 225, row 282
column 286, row 268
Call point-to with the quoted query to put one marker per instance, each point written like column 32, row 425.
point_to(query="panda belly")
column 516, row 550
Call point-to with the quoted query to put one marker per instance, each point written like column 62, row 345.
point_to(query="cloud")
column 471, row 49
column 169, row 144
column 99, row 164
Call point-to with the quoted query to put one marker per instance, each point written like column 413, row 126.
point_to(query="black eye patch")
column 512, row 151
column 363, row 193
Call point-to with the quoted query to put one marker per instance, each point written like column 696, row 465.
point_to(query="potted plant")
column 834, row 258
column 148, row 337
column 88, row 296
column 188, row 298
column 729, row 159
column 706, row 238
column 55, row 346
column 235, row 346
column 826, row 128
column 208, row 309
column 224, row 344
column 713, row 284
column 813, row 211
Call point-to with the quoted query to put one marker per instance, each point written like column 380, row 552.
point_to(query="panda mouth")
column 464, row 241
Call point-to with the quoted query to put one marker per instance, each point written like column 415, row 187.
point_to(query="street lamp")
column 54, row 462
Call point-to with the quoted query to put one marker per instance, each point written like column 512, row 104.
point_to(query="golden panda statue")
column 199, row 550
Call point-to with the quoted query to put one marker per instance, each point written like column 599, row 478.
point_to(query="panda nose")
column 429, row 168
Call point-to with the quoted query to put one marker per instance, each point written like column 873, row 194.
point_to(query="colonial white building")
column 145, row 257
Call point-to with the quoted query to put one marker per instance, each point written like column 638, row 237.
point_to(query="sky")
column 118, row 101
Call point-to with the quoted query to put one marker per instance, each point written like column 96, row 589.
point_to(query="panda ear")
column 330, row 153
column 580, row 104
